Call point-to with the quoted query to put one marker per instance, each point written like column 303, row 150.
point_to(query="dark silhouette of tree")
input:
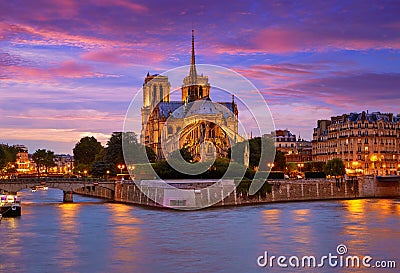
column 87, row 151
column 8, row 155
column 151, row 155
column 280, row 161
column 100, row 169
column 113, row 152
column 43, row 159
column 184, row 152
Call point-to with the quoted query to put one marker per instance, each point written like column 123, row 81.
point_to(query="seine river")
column 92, row 235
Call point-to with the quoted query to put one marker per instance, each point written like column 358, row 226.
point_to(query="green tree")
column 256, row 159
column 113, row 152
column 184, row 152
column 87, row 151
column 100, row 169
column 280, row 161
column 335, row 168
column 8, row 156
column 43, row 159
column 314, row 166
column 151, row 155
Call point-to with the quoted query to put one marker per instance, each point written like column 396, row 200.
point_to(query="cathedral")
column 205, row 128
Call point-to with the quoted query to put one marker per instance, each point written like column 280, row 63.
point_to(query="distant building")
column 302, row 153
column 295, row 149
column 22, row 163
column 368, row 143
column 64, row 163
column 285, row 141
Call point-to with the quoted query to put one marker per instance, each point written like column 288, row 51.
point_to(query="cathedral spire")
column 193, row 72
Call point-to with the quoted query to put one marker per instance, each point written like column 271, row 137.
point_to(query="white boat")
column 42, row 188
column 10, row 205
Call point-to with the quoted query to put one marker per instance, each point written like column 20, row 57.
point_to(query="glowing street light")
column 121, row 167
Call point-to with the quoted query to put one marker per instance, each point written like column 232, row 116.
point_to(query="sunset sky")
column 70, row 68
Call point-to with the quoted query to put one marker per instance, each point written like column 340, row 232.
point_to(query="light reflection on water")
column 92, row 235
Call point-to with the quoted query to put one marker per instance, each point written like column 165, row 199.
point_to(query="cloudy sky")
column 70, row 68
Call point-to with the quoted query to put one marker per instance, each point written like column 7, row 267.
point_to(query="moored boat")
column 42, row 188
column 10, row 205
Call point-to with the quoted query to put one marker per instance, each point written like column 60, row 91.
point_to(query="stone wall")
column 95, row 191
column 282, row 191
column 318, row 189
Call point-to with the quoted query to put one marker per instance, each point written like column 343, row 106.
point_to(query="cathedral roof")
column 199, row 107
column 168, row 107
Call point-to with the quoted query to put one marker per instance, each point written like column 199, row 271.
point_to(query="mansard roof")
column 365, row 116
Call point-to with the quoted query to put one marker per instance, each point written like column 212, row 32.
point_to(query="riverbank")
column 199, row 193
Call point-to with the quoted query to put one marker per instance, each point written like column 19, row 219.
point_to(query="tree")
column 43, row 159
column 151, row 155
column 184, row 152
column 113, row 152
column 314, row 166
column 87, row 151
column 100, row 169
column 256, row 146
column 280, row 161
column 335, row 168
column 8, row 156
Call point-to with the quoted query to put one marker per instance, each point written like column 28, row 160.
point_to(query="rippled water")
column 91, row 235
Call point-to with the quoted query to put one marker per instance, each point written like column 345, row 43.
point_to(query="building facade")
column 368, row 143
column 63, row 163
column 296, row 150
column 204, row 127
column 23, row 164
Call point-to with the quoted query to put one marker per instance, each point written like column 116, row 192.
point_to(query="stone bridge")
column 67, row 185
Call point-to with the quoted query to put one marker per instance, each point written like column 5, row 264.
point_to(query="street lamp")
column 300, row 165
column 85, row 172
column 121, row 167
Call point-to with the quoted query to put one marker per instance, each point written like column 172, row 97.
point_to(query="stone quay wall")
column 281, row 191
column 98, row 192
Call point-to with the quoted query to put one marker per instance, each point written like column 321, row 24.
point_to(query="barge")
column 10, row 205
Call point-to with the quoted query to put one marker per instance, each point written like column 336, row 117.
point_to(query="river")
column 92, row 235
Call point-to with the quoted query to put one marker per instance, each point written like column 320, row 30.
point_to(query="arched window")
column 161, row 93
column 209, row 148
column 154, row 95
column 170, row 130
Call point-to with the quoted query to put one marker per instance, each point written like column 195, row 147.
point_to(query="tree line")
column 92, row 158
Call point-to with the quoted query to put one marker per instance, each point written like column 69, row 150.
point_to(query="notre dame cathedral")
column 204, row 127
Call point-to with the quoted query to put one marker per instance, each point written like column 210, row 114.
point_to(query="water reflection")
column 68, row 244
column 355, row 226
column 302, row 229
column 125, row 234
column 106, row 237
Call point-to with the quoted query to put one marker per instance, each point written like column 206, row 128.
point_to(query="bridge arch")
column 68, row 186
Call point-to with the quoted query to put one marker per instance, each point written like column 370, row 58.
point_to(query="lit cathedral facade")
column 205, row 128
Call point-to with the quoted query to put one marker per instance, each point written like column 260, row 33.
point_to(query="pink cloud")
column 124, row 56
column 67, row 69
column 122, row 3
